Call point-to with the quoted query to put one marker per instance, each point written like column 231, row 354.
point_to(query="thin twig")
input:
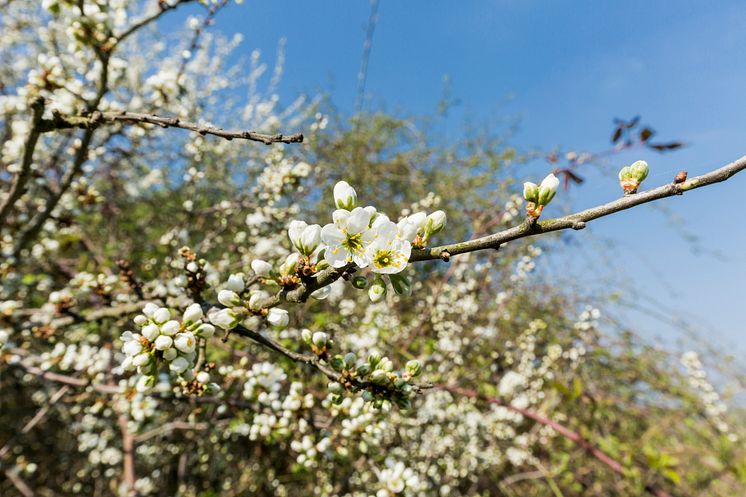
column 578, row 221
column 96, row 119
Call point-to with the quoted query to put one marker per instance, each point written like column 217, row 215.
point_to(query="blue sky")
column 563, row 70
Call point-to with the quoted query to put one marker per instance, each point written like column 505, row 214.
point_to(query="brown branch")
column 569, row 434
column 164, row 7
column 96, row 119
column 128, row 450
column 578, row 221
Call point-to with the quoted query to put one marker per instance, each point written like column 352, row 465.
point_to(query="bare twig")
column 578, row 221
column 96, row 119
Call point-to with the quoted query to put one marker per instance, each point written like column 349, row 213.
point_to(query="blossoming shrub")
column 185, row 315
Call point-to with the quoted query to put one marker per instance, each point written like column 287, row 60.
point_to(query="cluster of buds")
column 165, row 341
column 538, row 196
column 630, row 177
column 241, row 304
column 384, row 384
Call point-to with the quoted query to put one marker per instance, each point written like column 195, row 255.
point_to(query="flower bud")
column 335, row 388
column 350, row 359
column 236, row 283
column 145, row 383
column 203, row 377
column 531, row 192
column 229, row 298
column 401, row 284
column 170, row 328
column 161, row 315
column 377, row 290
column 170, row 354
column 630, row 177
column 178, row 365
column 225, row 319
column 142, row 359
column 374, row 358
column 149, row 309
column 193, row 313
column 548, row 189
column 305, row 238
column 320, row 339
column 345, row 196
column 163, row 342
column 411, row 226
column 278, row 317
column 360, row 282
column 306, row 336
column 132, row 348
column 379, row 376
column 403, row 403
column 140, row 320
column 337, row 363
column 205, row 330
column 435, row 223
column 413, row 367
column 185, row 342
column 288, row 267
column 150, row 332
column 363, row 370
column 261, row 268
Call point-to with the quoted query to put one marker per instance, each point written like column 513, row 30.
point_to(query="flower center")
column 353, row 242
column 384, row 258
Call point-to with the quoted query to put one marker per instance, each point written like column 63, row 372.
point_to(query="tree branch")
column 578, row 221
column 96, row 119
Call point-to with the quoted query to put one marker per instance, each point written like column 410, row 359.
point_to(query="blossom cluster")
column 166, row 341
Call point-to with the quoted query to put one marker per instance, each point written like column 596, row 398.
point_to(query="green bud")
column 639, row 170
column 401, row 284
column 306, row 335
column 434, row 223
column 335, row 388
column 368, row 396
column 377, row 291
column 414, row 367
column 630, row 177
column 337, row 399
column 379, row 376
column 374, row 358
column 386, row 364
column 288, row 267
column 548, row 189
column 363, row 370
column 350, row 359
column 403, row 403
column 337, row 362
column 360, row 282
column 531, row 192
column 322, row 264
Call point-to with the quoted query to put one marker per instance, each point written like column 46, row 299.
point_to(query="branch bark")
column 96, row 119
column 578, row 220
